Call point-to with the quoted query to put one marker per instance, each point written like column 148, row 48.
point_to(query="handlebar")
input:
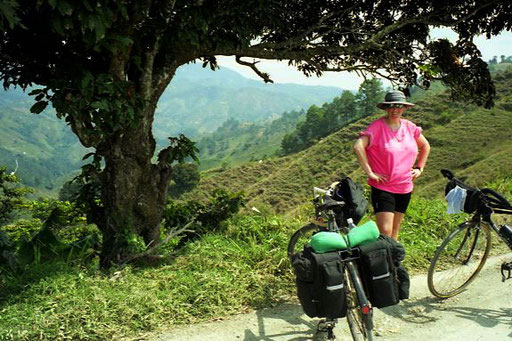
column 498, row 198
column 326, row 202
column 447, row 173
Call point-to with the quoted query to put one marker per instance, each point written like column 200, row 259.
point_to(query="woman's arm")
column 424, row 150
column 359, row 148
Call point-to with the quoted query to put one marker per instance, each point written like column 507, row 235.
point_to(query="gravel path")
column 483, row 312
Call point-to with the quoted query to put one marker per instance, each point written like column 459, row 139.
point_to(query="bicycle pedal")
column 324, row 326
column 506, row 271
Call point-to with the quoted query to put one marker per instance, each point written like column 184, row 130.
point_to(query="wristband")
column 419, row 168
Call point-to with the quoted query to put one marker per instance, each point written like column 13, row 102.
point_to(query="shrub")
column 203, row 218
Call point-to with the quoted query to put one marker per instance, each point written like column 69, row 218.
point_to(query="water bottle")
column 506, row 234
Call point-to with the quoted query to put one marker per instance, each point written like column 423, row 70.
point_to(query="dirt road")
column 483, row 312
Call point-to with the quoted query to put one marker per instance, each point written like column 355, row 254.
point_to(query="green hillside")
column 45, row 149
column 467, row 139
column 235, row 142
column 198, row 100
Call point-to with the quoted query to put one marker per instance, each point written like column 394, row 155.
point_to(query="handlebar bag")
column 320, row 283
column 353, row 195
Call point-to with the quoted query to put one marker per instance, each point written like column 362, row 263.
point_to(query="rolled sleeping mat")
column 324, row 241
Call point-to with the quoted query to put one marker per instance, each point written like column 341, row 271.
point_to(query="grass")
column 243, row 267
column 59, row 301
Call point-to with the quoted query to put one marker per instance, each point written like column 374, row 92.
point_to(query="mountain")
column 470, row 140
column 41, row 147
column 198, row 100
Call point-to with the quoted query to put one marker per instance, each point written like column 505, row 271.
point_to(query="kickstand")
column 506, row 267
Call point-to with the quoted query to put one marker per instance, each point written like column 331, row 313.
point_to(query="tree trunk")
column 134, row 191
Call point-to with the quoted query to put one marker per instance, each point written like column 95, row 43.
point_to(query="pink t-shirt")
column 392, row 153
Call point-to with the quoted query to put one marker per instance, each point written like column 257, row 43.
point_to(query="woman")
column 387, row 151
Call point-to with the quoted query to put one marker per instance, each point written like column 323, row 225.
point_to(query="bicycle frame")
column 349, row 257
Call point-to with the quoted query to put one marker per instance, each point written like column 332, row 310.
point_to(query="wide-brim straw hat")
column 394, row 97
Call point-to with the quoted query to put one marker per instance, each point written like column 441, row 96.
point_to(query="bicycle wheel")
column 360, row 325
column 459, row 259
column 300, row 238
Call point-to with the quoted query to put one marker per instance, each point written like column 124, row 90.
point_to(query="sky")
column 280, row 72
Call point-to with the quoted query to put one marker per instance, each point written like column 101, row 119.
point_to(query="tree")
column 103, row 65
column 369, row 94
column 348, row 105
column 186, row 176
column 11, row 195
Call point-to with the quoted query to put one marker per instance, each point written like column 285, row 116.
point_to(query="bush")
column 203, row 218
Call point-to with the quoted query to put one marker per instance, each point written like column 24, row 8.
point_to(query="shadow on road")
column 422, row 311
column 416, row 311
column 298, row 329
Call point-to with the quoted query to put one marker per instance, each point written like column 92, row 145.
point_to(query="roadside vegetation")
column 240, row 266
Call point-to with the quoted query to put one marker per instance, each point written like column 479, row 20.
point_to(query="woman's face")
column 395, row 113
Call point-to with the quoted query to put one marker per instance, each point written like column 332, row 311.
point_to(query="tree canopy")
column 103, row 65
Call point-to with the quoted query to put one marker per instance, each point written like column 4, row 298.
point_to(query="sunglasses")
column 397, row 106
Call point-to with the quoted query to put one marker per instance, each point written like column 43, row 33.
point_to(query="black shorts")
column 384, row 201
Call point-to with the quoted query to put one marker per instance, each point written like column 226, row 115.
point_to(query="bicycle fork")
column 365, row 306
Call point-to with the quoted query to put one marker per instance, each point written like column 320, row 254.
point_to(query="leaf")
column 124, row 12
column 35, row 92
column 86, row 80
column 87, row 155
column 99, row 29
column 87, row 5
column 103, row 104
column 64, row 7
column 38, row 107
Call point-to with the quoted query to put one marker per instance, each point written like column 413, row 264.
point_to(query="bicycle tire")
column 360, row 325
column 303, row 234
column 459, row 259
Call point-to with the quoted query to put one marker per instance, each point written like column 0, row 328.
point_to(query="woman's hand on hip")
column 416, row 172
column 377, row 177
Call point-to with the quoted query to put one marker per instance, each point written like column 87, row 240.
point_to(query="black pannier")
column 397, row 256
column 379, row 273
column 320, row 283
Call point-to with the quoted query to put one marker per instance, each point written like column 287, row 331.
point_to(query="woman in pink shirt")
column 387, row 151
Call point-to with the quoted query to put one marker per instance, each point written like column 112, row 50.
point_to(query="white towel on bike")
column 455, row 199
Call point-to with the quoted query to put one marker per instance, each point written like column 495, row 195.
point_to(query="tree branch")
column 82, row 132
column 265, row 76
column 150, row 248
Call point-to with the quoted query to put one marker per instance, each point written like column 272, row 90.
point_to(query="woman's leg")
column 384, row 206
column 397, row 220
column 401, row 204
column 385, row 222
